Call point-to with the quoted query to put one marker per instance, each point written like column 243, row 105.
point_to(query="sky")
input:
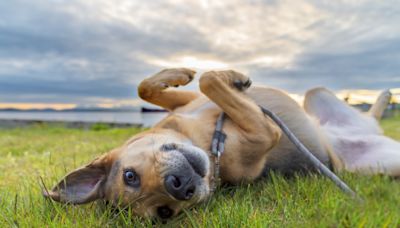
column 66, row 53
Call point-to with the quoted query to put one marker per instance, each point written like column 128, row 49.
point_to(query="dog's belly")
column 367, row 153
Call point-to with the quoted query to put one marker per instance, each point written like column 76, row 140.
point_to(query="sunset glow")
column 190, row 62
column 26, row 106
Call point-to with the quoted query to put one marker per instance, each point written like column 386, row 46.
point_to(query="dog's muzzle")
column 188, row 165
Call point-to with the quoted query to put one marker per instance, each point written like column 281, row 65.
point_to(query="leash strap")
column 218, row 144
column 314, row 160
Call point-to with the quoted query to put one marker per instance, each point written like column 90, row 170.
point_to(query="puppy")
column 169, row 167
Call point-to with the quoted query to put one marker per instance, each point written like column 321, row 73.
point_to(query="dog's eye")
column 169, row 147
column 131, row 178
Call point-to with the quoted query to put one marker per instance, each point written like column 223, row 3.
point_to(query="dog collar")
column 217, row 149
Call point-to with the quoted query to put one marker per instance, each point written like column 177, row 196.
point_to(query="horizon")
column 63, row 54
column 354, row 97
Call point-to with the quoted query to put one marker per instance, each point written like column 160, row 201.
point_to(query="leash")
column 218, row 146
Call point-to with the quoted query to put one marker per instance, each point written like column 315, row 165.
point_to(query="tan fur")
column 247, row 143
column 254, row 141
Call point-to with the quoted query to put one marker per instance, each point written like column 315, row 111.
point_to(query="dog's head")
column 155, row 174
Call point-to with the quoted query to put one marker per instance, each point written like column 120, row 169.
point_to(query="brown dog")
column 169, row 167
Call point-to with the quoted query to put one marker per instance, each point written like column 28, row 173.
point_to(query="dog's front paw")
column 174, row 77
column 385, row 96
column 233, row 78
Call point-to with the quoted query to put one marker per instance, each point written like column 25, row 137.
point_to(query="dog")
column 169, row 167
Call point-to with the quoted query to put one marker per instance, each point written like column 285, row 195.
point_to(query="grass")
column 29, row 154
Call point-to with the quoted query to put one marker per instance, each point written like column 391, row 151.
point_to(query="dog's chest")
column 197, row 122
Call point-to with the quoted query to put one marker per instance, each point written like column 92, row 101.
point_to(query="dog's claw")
column 247, row 84
column 242, row 85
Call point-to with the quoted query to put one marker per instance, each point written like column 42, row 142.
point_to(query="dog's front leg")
column 261, row 133
column 156, row 89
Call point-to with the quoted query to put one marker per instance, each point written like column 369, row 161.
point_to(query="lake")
column 146, row 119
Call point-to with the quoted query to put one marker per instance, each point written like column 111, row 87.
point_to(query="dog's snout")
column 180, row 187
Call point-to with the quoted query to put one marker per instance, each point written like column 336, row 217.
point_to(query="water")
column 146, row 119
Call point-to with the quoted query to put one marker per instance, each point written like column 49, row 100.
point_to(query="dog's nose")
column 180, row 187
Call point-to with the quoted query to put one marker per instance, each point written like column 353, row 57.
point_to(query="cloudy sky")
column 95, row 52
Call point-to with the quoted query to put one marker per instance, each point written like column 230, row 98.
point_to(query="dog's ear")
column 84, row 184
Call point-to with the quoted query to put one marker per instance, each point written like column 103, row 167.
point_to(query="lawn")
column 30, row 155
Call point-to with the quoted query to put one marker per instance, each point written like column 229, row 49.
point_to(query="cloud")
column 97, row 51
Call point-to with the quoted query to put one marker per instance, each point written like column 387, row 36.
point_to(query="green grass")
column 29, row 154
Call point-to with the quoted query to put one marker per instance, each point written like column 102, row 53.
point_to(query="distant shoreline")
column 17, row 123
column 68, row 110
column 142, row 109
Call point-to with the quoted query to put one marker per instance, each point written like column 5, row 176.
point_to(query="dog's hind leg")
column 380, row 105
column 330, row 111
column 156, row 89
column 326, row 107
